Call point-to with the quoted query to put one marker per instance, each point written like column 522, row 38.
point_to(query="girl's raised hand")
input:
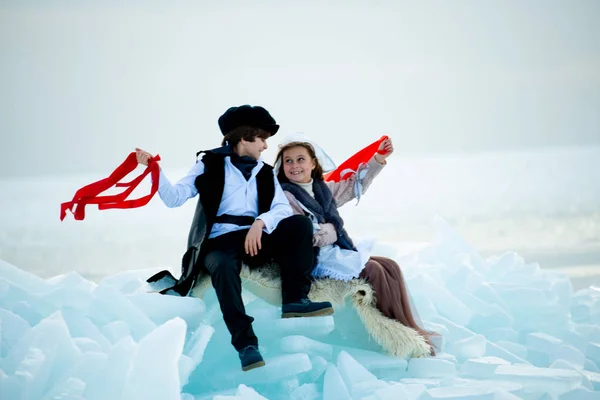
column 386, row 148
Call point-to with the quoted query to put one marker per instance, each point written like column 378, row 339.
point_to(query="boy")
column 242, row 216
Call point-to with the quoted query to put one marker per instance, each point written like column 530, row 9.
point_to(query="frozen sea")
column 501, row 253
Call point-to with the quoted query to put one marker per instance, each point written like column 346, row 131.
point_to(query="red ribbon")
column 358, row 158
column 90, row 194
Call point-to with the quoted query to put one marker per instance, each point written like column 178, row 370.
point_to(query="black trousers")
column 290, row 246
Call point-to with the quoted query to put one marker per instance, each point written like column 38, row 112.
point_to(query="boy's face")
column 253, row 149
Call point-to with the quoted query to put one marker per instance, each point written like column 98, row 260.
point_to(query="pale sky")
column 82, row 85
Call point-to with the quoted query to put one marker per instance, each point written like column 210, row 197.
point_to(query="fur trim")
column 395, row 338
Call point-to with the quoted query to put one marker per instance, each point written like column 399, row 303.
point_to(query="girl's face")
column 297, row 164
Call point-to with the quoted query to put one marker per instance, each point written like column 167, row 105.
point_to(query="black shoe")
column 250, row 358
column 306, row 308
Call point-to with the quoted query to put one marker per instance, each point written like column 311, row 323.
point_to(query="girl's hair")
column 247, row 133
column 317, row 172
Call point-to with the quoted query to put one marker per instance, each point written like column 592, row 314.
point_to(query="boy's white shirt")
column 240, row 197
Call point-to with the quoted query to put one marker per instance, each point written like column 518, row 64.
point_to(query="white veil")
column 324, row 159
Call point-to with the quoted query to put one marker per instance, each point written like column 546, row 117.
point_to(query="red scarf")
column 90, row 194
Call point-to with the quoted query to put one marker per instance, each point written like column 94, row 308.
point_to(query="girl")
column 301, row 176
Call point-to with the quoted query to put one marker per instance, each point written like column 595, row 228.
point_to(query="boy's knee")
column 218, row 262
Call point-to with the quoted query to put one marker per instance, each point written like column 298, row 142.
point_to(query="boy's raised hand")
column 142, row 156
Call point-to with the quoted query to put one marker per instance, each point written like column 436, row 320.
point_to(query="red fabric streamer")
column 353, row 162
column 90, row 194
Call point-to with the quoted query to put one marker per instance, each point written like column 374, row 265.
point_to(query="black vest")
column 211, row 183
column 210, row 187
